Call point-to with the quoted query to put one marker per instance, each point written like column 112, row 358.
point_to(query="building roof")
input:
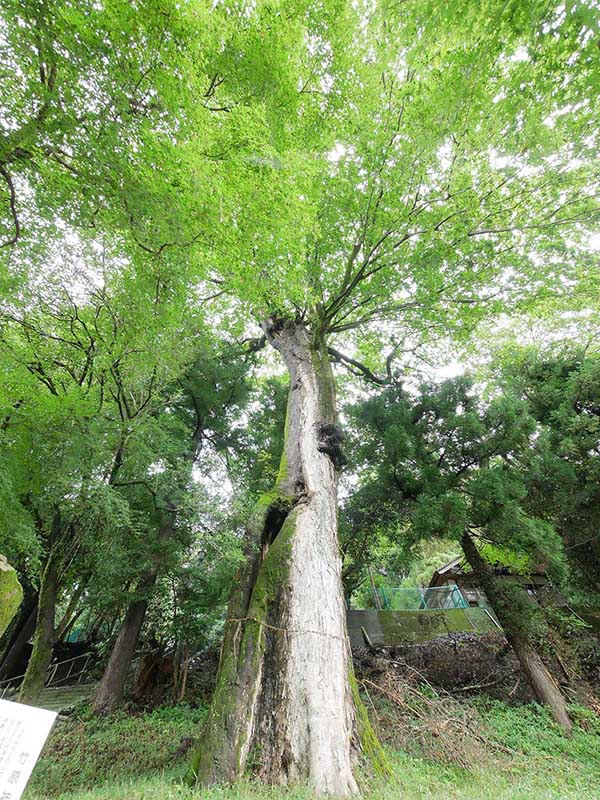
column 458, row 567
column 452, row 567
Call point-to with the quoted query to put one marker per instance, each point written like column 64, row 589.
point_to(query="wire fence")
column 415, row 599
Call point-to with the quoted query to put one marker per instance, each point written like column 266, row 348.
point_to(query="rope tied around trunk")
column 286, row 630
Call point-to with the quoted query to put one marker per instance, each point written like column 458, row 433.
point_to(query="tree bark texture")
column 110, row 689
column 109, row 693
column 43, row 644
column 285, row 700
column 543, row 684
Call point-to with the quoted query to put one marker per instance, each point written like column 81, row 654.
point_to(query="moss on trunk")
column 11, row 594
column 367, row 741
column 284, row 702
column 43, row 644
column 226, row 738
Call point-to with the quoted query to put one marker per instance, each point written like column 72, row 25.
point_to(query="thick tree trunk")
column 542, row 683
column 285, row 696
column 35, row 676
column 109, row 693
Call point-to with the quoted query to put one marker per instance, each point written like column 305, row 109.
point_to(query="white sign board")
column 23, row 731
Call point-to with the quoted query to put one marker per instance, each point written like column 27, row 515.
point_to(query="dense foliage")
column 180, row 181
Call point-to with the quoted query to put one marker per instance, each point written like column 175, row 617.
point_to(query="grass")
column 140, row 758
column 84, row 752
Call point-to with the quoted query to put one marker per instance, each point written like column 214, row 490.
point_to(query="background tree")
column 458, row 469
column 561, row 388
column 198, row 410
column 81, row 380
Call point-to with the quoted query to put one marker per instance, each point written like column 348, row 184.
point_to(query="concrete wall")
column 389, row 628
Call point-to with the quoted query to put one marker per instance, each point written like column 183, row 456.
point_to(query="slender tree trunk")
column 18, row 642
column 95, row 626
column 544, row 687
column 66, row 632
column 109, row 693
column 285, row 699
column 71, row 612
column 180, row 672
column 110, row 689
column 43, row 644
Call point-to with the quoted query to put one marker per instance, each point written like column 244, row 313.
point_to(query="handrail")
column 492, row 618
column 52, row 670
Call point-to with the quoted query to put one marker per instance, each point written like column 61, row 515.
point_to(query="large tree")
column 447, row 196
column 119, row 155
column 371, row 175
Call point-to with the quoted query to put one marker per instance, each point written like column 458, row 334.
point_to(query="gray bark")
column 283, row 700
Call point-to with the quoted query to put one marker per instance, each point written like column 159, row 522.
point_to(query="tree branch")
column 13, row 208
column 363, row 370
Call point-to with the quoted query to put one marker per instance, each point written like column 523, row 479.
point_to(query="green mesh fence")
column 433, row 598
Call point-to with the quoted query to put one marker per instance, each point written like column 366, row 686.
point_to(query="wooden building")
column 458, row 573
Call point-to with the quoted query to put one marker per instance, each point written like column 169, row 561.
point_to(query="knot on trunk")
column 330, row 439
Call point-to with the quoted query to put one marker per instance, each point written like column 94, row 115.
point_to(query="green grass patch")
column 135, row 758
column 530, row 730
column 87, row 752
